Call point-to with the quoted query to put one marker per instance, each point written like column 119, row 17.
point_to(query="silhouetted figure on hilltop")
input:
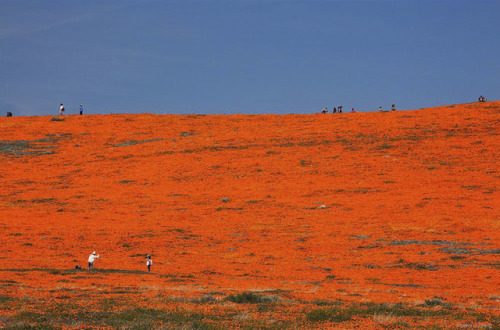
column 9, row 114
column 334, row 110
column 325, row 110
column 340, row 109
column 81, row 109
column 393, row 108
column 61, row 109
column 482, row 99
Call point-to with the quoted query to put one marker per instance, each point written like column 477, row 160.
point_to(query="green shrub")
column 247, row 298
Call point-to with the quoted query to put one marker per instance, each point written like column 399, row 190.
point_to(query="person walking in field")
column 81, row 109
column 61, row 109
column 92, row 257
column 149, row 262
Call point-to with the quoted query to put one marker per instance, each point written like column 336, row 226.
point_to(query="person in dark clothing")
column 149, row 262
column 334, row 110
column 81, row 109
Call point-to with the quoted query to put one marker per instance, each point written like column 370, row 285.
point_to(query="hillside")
column 322, row 214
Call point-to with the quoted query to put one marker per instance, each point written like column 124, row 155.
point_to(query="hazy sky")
column 245, row 56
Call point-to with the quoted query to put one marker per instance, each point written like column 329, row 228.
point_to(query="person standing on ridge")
column 393, row 108
column 352, row 110
column 334, row 110
column 149, row 262
column 325, row 110
column 61, row 109
column 92, row 257
column 81, row 109
column 340, row 109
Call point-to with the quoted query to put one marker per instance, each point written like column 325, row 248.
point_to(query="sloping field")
column 350, row 220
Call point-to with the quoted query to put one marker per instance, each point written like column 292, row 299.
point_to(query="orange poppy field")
column 354, row 220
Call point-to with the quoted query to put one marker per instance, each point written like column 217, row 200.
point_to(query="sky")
column 224, row 57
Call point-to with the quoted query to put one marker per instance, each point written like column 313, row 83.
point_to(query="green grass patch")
column 134, row 142
column 384, row 146
column 20, row 148
column 137, row 318
column 331, row 314
column 4, row 299
column 338, row 314
column 254, row 201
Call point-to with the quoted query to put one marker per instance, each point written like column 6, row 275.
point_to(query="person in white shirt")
column 61, row 109
column 149, row 262
column 92, row 257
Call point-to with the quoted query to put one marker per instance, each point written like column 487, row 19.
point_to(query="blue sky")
column 245, row 56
